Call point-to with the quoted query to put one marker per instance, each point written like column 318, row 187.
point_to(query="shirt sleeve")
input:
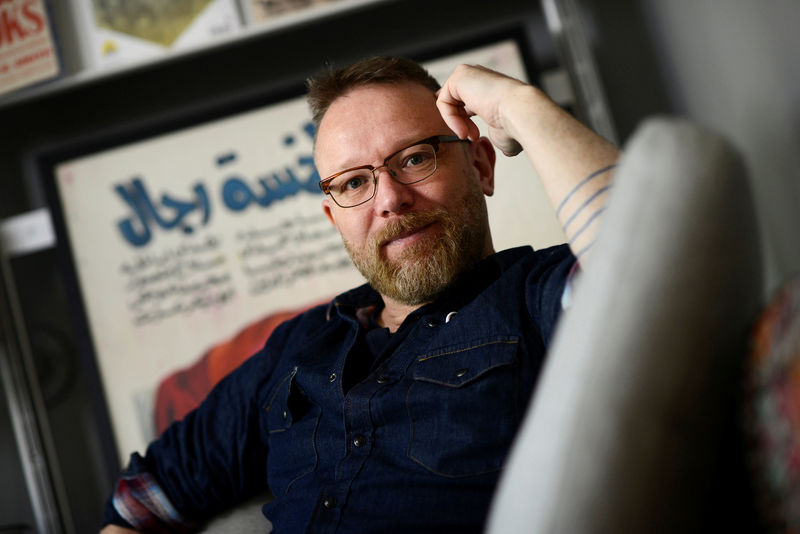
column 548, row 287
column 139, row 502
column 112, row 517
column 202, row 465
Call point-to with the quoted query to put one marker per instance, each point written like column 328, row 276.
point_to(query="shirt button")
column 461, row 372
column 329, row 502
column 359, row 440
column 432, row 322
column 382, row 379
column 332, row 378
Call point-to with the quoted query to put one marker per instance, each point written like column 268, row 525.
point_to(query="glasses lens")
column 413, row 164
column 352, row 188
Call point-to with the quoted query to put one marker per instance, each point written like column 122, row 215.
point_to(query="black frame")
column 468, row 24
column 45, row 161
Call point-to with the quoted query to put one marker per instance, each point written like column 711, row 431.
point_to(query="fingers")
column 475, row 90
column 455, row 112
column 453, row 108
column 458, row 119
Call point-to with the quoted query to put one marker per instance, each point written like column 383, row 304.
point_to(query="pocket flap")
column 457, row 365
column 279, row 416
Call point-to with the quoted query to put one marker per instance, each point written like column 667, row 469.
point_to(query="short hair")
column 331, row 84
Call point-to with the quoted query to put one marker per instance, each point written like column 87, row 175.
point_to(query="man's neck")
column 394, row 313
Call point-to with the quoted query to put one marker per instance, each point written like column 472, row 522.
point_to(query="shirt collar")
column 464, row 288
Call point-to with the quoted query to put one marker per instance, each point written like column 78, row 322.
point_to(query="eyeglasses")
column 410, row 165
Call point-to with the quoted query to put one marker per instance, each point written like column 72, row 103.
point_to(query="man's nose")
column 391, row 196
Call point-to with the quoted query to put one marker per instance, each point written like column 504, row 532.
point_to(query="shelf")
column 287, row 22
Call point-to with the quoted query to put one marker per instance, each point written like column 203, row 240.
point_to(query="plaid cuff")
column 141, row 502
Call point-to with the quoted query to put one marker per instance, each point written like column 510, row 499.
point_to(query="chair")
column 627, row 424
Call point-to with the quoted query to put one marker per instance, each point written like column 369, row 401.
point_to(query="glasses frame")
column 434, row 141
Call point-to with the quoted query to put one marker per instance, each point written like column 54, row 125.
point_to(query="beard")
column 429, row 265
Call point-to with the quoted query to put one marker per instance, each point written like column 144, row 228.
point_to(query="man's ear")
column 483, row 160
column 326, row 208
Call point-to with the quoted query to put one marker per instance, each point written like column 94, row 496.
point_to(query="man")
column 392, row 408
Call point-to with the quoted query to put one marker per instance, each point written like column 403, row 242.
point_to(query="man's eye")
column 417, row 159
column 351, row 184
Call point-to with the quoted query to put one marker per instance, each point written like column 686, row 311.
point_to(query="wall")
column 731, row 65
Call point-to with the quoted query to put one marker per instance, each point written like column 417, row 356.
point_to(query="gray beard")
column 429, row 266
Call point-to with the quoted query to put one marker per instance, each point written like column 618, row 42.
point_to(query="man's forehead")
column 377, row 118
column 400, row 99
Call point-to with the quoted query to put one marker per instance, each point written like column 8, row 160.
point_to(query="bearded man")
column 392, row 408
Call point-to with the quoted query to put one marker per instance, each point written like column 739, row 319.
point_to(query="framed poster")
column 186, row 246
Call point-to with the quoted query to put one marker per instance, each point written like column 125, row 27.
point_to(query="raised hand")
column 475, row 90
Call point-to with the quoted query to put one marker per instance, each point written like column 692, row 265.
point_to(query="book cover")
column 27, row 50
column 120, row 31
column 259, row 11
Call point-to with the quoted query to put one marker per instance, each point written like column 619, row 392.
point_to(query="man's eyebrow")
column 410, row 140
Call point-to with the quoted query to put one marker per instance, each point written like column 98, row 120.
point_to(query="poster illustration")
column 259, row 11
column 193, row 244
column 115, row 32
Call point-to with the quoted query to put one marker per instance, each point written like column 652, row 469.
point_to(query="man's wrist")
column 519, row 108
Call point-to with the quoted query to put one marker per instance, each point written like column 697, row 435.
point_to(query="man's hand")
column 476, row 90
column 574, row 164
column 114, row 529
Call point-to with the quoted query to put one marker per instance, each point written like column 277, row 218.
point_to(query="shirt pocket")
column 462, row 406
column 292, row 420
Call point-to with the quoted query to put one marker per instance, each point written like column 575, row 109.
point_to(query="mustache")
column 407, row 223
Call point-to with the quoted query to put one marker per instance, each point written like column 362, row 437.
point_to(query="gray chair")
column 245, row 518
column 628, row 419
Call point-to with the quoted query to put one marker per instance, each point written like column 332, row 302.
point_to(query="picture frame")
column 136, row 208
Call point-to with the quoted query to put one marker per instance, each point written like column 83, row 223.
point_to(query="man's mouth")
column 407, row 236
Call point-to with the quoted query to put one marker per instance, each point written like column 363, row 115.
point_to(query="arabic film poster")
column 191, row 246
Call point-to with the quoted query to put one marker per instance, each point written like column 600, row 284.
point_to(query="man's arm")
column 574, row 164
column 203, row 464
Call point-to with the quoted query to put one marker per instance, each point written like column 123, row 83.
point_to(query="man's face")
column 409, row 241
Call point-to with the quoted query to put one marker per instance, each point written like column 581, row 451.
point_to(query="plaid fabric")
column 773, row 411
column 142, row 503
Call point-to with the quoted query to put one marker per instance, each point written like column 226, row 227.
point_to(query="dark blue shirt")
column 409, row 438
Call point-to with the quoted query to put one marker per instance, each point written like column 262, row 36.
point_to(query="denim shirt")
column 417, row 445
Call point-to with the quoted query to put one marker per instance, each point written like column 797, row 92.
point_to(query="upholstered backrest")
column 244, row 519
column 625, row 423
